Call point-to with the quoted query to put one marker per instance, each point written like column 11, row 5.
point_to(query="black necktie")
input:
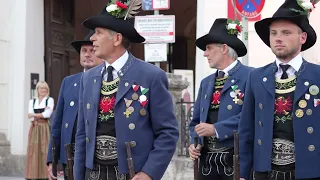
column 220, row 74
column 284, row 70
column 110, row 75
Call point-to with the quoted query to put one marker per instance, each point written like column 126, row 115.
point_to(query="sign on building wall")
column 161, row 4
column 147, row 5
column 249, row 8
column 155, row 52
column 156, row 28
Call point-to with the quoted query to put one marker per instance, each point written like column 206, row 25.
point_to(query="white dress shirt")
column 295, row 65
column 117, row 65
column 47, row 112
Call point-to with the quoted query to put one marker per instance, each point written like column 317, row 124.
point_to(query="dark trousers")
column 216, row 166
column 277, row 175
column 66, row 172
column 100, row 172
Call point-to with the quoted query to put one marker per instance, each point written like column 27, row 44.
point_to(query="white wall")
column 21, row 52
column 259, row 54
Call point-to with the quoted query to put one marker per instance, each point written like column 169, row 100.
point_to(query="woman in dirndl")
column 40, row 110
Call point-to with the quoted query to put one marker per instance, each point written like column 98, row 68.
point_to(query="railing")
column 186, row 113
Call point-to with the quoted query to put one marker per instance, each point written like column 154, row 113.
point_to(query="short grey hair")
column 125, row 41
column 231, row 52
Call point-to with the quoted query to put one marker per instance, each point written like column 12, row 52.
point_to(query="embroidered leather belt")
column 214, row 146
column 282, row 152
column 106, row 147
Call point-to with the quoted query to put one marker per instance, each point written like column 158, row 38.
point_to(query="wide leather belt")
column 214, row 146
column 283, row 152
column 106, row 147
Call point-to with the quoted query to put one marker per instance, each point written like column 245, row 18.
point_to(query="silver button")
column 260, row 106
column 66, row 125
column 229, row 107
column 264, row 79
column 259, row 142
column 311, row 148
column 225, row 136
column 232, row 81
column 306, row 83
column 132, row 126
column 75, row 84
column 71, row 103
column 133, row 144
column 205, row 96
column 260, row 123
column 88, row 106
column 94, row 81
column 87, row 139
column 126, row 84
column 202, row 109
column 87, row 122
column 310, row 130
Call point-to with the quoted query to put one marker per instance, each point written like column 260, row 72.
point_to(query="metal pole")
column 245, row 38
column 156, row 12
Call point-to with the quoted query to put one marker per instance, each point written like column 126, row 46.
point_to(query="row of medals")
column 135, row 97
column 313, row 90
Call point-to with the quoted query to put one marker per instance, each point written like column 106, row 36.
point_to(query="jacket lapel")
column 209, row 92
column 268, row 79
column 125, row 81
column 232, row 80
column 96, row 83
column 302, row 82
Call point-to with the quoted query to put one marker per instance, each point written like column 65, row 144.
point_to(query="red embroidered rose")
column 106, row 104
column 283, row 105
column 238, row 28
column 121, row 5
column 215, row 98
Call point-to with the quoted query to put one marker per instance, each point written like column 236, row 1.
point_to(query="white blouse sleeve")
column 49, row 109
column 30, row 109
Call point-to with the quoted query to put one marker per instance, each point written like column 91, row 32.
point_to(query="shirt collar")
column 119, row 63
column 227, row 69
column 295, row 63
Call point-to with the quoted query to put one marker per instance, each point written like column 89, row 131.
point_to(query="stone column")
column 180, row 167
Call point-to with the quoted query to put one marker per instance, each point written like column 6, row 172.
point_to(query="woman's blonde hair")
column 44, row 84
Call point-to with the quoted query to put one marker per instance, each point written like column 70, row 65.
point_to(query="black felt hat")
column 118, row 16
column 294, row 11
column 219, row 33
column 86, row 41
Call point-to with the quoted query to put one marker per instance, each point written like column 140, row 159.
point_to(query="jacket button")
column 205, row 96
column 66, row 125
column 202, row 109
column 88, row 106
column 260, row 106
column 71, row 103
column 225, row 136
column 311, row 148
column 259, row 142
column 133, row 144
column 87, row 139
column 310, row 130
column 260, row 123
column 132, row 126
column 87, row 122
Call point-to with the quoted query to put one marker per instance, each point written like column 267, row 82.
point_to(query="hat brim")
column 117, row 25
column 262, row 29
column 231, row 41
column 77, row 44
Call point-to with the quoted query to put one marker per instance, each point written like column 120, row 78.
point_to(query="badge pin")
column 127, row 113
column 142, row 98
column 237, row 91
column 299, row 113
column 302, row 104
column 314, row 90
column 232, row 94
column 143, row 112
column 135, row 96
column 75, row 84
column 71, row 103
column 307, row 96
column 235, row 100
column 240, row 102
column 131, row 109
column 234, row 87
column 316, row 102
column 309, row 112
column 229, row 107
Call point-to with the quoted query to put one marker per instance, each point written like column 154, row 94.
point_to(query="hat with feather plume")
column 118, row 16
